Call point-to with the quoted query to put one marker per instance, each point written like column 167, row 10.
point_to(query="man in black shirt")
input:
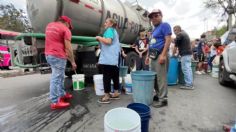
column 182, row 42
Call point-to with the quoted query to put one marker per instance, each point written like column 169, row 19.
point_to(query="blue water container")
column 143, row 84
column 172, row 76
column 123, row 70
column 144, row 112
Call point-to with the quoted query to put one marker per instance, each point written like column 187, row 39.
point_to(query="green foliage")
column 13, row 19
column 219, row 32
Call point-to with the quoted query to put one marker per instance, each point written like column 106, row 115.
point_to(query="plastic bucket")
column 128, row 79
column 205, row 66
column 122, row 120
column 128, row 88
column 194, row 65
column 144, row 112
column 215, row 71
column 78, row 81
column 123, row 71
column 143, row 84
column 172, row 75
column 98, row 84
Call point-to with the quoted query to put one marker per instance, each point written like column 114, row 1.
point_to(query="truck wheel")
column 130, row 61
column 223, row 75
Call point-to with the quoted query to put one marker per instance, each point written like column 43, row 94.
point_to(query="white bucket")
column 128, row 84
column 128, row 79
column 78, row 81
column 215, row 71
column 122, row 120
column 98, row 84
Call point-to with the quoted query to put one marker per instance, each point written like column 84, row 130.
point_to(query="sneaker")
column 208, row 71
column 203, row 72
column 66, row 97
column 187, row 87
column 198, row 72
column 158, row 104
column 59, row 105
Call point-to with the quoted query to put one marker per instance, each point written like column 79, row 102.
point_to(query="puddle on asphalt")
column 36, row 115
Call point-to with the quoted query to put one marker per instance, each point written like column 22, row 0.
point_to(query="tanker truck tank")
column 88, row 16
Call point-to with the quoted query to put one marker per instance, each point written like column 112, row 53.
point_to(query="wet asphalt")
column 24, row 106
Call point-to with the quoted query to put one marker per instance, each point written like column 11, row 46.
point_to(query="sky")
column 191, row 15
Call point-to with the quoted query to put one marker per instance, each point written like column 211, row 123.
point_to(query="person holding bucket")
column 158, row 52
column 109, row 60
column 57, row 50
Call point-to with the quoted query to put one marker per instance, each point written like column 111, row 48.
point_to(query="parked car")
column 5, row 57
column 6, row 38
column 227, row 65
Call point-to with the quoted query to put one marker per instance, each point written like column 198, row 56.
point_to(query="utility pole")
column 230, row 12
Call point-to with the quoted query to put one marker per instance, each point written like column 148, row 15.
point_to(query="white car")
column 227, row 66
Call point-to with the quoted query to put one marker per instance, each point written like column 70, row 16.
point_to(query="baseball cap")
column 155, row 11
column 68, row 20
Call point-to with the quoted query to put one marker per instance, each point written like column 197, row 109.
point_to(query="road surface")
column 24, row 106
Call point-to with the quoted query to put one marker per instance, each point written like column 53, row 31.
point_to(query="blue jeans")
column 187, row 70
column 57, row 78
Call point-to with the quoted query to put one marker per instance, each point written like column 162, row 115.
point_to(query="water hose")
column 81, row 40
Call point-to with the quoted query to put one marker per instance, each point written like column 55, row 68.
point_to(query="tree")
column 219, row 32
column 13, row 19
column 228, row 6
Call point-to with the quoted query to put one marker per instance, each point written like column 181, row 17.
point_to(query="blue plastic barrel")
column 144, row 112
column 123, row 71
column 143, row 84
column 173, row 70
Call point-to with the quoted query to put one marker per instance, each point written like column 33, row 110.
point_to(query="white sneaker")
column 198, row 72
column 203, row 72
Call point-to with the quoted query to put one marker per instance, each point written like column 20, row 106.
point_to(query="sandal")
column 114, row 97
column 104, row 101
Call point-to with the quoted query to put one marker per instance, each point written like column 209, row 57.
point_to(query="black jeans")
column 140, row 63
column 210, row 61
column 110, row 73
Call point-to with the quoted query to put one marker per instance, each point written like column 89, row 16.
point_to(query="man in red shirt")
column 57, row 50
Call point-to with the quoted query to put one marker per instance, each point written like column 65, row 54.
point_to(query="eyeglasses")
column 155, row 15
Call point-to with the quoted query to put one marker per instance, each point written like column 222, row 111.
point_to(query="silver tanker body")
column 88, row 16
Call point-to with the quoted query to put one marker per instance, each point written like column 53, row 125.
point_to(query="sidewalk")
column 15, row 71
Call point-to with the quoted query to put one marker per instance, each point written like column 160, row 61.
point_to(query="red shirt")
column 56, row 33
column 219, row 50
column 206, row 49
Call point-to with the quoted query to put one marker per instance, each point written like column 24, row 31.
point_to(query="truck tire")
column 224, row 75
column 130, row 61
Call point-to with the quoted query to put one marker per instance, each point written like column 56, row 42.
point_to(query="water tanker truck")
column 88, row 17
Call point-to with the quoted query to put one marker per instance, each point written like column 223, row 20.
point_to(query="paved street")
column 25, row 107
